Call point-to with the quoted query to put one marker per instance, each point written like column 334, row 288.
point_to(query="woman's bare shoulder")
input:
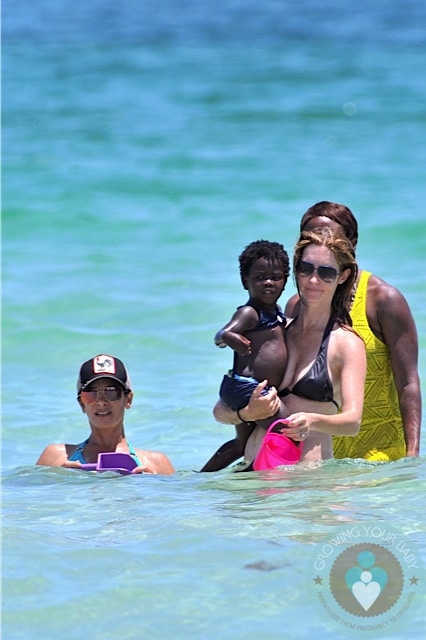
column 347, row 340
column 54, row 455
column 155, row 460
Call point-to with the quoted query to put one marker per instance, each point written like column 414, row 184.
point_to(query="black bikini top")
column 316, row 383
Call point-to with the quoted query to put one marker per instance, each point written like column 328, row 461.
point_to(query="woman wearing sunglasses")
column 391, row 419
column 323, row 384
column 104, row 393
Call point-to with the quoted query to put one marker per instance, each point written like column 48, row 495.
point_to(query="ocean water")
column 144, row 145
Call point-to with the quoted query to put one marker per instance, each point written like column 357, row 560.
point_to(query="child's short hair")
column 264, row 249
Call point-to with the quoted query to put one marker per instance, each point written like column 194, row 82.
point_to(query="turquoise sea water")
column 144, row 145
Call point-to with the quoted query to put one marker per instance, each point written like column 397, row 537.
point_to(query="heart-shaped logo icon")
column 371, row 577
column 366, row 592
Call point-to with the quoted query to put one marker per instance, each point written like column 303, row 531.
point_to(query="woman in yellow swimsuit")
column 391, row 420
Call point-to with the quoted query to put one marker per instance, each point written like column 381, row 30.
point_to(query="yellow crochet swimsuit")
column 381, row 436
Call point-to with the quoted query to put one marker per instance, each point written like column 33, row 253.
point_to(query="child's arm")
column 232, row 334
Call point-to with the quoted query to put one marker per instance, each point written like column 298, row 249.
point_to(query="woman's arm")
column 396, row 324
column 259, row 407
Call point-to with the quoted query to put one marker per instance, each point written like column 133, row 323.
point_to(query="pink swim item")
column 276, row 449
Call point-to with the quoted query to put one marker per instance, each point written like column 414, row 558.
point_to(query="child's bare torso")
column 268, row 358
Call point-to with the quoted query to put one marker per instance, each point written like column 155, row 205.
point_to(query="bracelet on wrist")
column 241, row 419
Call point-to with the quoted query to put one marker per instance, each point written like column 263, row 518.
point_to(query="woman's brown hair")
column 344, row 254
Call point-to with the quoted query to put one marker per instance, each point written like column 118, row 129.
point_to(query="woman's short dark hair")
column 340, row 213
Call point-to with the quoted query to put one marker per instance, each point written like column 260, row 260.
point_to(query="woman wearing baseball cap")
column 104, row 393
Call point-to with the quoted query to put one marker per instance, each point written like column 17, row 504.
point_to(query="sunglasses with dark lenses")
column 110, row 394
column 326, row 274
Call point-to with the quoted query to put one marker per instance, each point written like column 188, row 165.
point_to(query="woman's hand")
column 261, row 406
column 143, row 469
column 72, row 464
column 298, row 427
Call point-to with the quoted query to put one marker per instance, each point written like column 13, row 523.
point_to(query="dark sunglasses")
column 110, row 394
column 327, row 274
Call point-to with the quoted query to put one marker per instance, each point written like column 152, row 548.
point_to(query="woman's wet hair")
column 339, row 213
column 344, row 254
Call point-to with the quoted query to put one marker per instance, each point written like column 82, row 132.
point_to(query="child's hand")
column 238, row 343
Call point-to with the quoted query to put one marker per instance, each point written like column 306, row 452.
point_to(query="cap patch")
column 104, row 364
